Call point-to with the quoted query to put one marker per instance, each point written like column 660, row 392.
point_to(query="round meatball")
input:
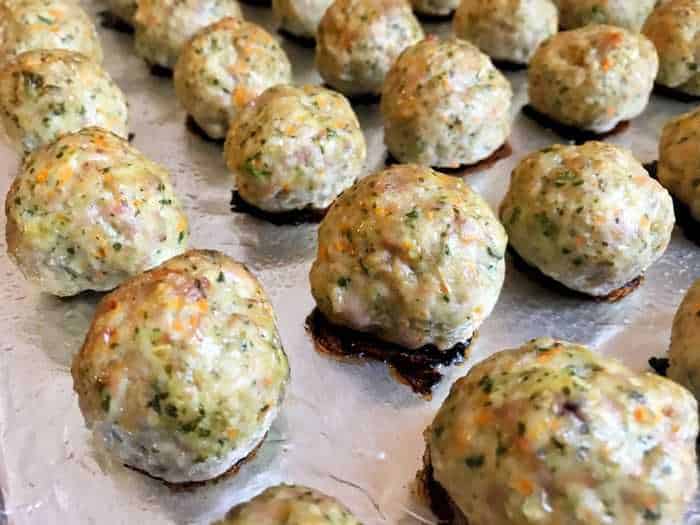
column 89, row 211
column 623, row 13
column 434, row 7
column 290, row 505
column 587, row 216
column 444, row 105
column 358, row 41
column 162, row 27
column 684, row 354
column 593, row 78
column 410, row 255
column 124, row 10
column 557, row 433
column 295, row 148
column 300, row 17
column 679, row 160
column 47, row 93
column 28, row 25
column 673, row 27
column 223, row 68
column 507, row 30
column 183, row 372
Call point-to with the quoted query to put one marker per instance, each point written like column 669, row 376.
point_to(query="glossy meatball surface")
column 434, row 7
column 593, row 78
column 295, row 148
column 88, row 211
column 225, row 66
column 444, row 104
column 410, row 255
column 624, row 13
column 358, row 41
column 506, row 30
column 300, row 17
column 290, row 505
column 182, row 371
column 164, row 26
column 684, row 353
column 47, row 93
column 587, row 216
column 556, row 433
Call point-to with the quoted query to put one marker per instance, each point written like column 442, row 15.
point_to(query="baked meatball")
column 47, row 93
column 674, row 27
column 124, row 10
column 444, row 104
column 684, row 354
column 295, row 148
column 182, row 371
column 300, row 17
column 88, row 211
column 553, row 432
column 629, row 14
column 434, row 7
column 679, row 160
column 358, row 41
column 290, row 505
column 223, row 68
column 410, row 255
column 507, row 30
column 46, row 24
column 587, row 216
column 164, row 26
column 593, row 78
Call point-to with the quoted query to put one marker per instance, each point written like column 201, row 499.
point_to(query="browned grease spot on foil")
column 436, row 497
column 417, row 368
column 302, row 41
column 675, row 94
column 576, row 135
column 109, row 20
column 556, row 286
column 160, row 71
column 284, row 218
column 501, row 153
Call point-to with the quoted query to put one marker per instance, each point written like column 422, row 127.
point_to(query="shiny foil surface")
column 347, row 428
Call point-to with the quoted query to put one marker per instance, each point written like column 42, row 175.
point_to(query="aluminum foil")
column 347, row 428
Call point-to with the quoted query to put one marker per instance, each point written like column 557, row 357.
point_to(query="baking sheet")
column 346, row 428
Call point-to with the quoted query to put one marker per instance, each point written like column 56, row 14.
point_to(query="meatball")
column 88, row 211
column 623, row 13
column 444, row 104
column 673, row 28
column 679, row 160
column 411, row 256
column 162, row 27
column 295, row 148
column 593, row 78
column 434, row 7
column 27, row 25
column 182, row 371
column 300, row 17
column 507, row 30
column 358, row 41
column 290, row 505
column 684, row 354
column 124, row 10
column 557, row 433
column 587, row 216
column 47, row 93
column 223, row 68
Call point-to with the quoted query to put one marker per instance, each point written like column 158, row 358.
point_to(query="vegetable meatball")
column 290, row 505
column 162, row 27
column 593, row 78
column 587, row 216
column 182, row 372
column 684, row 354
column 358, row 41
column 295, row 148
column 673, row 28
column 679, row 160
column 434, row 7
column 411, row 256
column 225, row 66
column 507, row 30
column 444, row 105
column 47, row 93
column 300, row 17
column 623, row 13
column 556, row 433
column 89, row 211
